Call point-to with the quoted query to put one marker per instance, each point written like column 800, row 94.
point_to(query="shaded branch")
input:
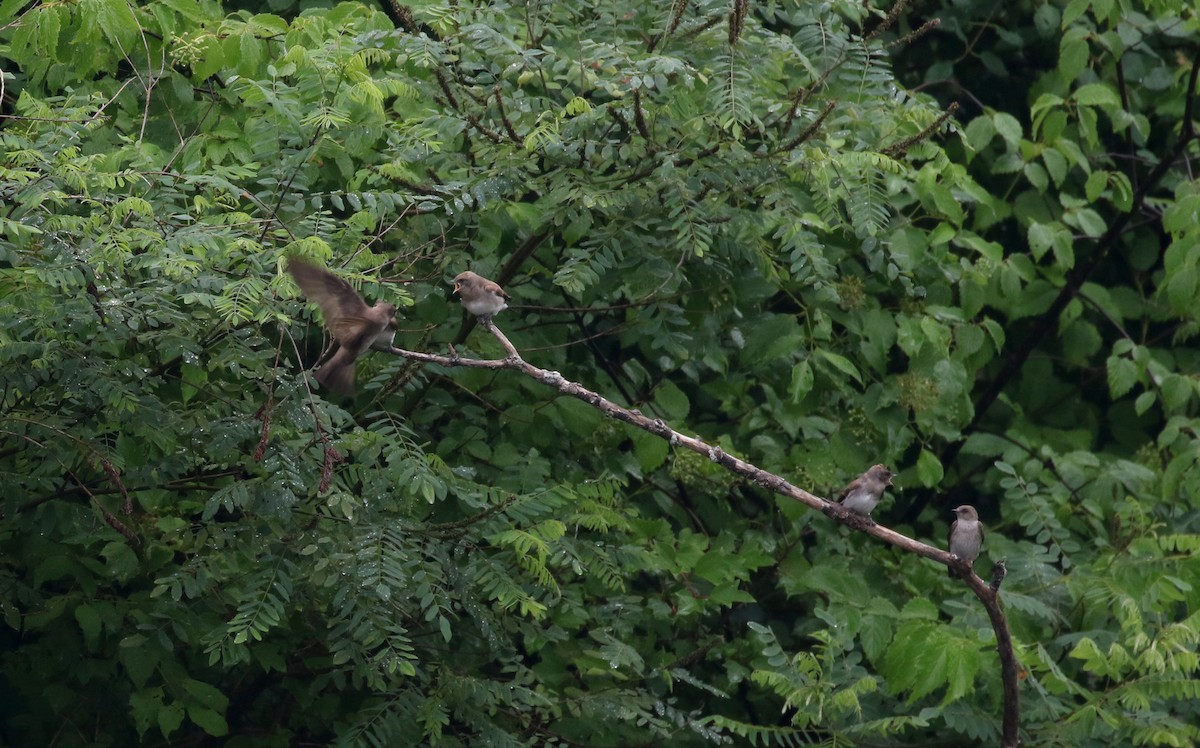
column 508, row 125
column 1081, row 272
column 989, row 595
column 809, row 131
column 1076, row 277
column 898, row 149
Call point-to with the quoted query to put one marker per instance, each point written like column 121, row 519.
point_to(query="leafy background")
column 820, row 235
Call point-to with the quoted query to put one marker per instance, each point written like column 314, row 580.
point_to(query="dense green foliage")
column 738, row 218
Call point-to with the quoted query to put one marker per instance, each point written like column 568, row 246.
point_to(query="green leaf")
column 1096, row 94
column 205, row 694
column 9, row 8
column 925, row 656
column 1075, row 10
column 145, row 706
column 1097, row 182
column 729, row 594
column 1122, row 191
column 672, row 400
column 1008, row 127
column 115, row 19
column 1072, row 55
column 1056, row 165
column 775, row 337
column 1177, row 390
column 1182, row 287
column 1183, row 215
column 208, row 720
column 138, row 659
column 250, row 55
column 995, row 332
column 577, row 229
column 1144, row 402
column 943, row 233
column 89, row 622
column 968, row 339
column 210, row 59
column 979, row 132
column 650, row 450
column 1122, row 375
column 169, row 718
column 802, row 381
column 929, row 469
column 1041, row 238
column 1088, row 221
column 875, row 632
column 192, row 380
column 841, row 364
column 1036, row 174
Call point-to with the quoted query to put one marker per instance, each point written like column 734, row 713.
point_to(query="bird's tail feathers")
column 337, row 376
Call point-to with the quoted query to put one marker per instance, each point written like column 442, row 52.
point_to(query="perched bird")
column 480, row 296
column 354, row 325
column 966, row 536
column 865, row 491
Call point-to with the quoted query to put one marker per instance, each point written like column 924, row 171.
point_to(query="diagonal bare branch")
column 988, row 594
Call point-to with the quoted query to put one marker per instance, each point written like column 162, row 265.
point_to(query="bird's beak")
column 456, row 286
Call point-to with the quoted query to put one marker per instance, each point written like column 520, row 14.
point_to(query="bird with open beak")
column 354, row 325
column 865, row 491
column 480, row 296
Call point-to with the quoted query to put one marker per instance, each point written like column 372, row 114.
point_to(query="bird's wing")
column 489, row 286
column 352, row 331
column 340, row 304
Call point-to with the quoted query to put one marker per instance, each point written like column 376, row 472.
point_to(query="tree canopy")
column 959, row 240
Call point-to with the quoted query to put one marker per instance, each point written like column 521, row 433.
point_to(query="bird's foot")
column 854, row 519
column 847, row 517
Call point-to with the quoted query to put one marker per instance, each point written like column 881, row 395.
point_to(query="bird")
column 480, row 296
column 354, row 325
column 865, row 491
column 966, row 536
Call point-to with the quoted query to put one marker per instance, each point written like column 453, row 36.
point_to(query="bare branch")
column 987, row 594
column 659, row 428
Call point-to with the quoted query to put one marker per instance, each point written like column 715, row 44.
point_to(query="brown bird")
column 966, row 536
column 354, row 325
column 865, row 491
column 480, row 296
